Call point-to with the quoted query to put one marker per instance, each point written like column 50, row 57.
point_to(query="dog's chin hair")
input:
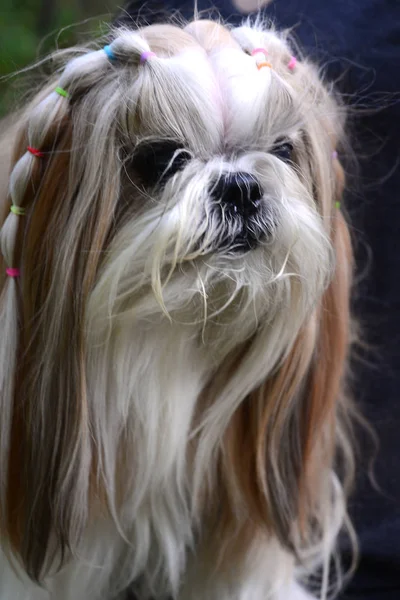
column 187, row 325
column 185, row 389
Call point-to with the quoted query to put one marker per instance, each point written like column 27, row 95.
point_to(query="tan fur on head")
column 172, row 370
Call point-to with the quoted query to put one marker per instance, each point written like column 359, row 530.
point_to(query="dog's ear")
column 57, row 244
column 281, row 445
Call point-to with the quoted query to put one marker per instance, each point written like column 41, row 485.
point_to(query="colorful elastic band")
column 264, row 64
column 337, row 205
column 13, row 272
column 35, row 151
column 17, row 210
column 109, row 52
column 292, row 63
column 334, row 155
column 61, row 91
column 145, row 56
column 258, row 51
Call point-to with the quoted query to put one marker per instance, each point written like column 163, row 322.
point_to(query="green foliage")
column 29, row 29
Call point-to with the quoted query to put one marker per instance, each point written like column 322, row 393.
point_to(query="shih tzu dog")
column 175, row 324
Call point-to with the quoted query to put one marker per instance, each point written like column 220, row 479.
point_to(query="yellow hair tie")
column 17, row 210
column 264, row 64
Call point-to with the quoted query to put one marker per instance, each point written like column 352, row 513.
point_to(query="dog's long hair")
column 193, row 395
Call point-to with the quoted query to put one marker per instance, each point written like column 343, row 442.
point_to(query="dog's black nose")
column 240, row 192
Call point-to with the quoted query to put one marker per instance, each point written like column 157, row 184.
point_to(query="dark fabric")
column 359, row 42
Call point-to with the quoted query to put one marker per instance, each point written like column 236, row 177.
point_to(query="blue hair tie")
column 109, row 52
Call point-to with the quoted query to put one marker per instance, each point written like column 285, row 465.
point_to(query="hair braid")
column 40, row 131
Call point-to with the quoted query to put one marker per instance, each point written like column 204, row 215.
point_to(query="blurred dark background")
column 29, row 29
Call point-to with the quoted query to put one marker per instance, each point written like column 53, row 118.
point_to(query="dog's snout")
column 241, row 192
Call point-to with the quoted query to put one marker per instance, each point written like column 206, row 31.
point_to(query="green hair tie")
column 337, row 204
column 62, row 92
column 17, row 210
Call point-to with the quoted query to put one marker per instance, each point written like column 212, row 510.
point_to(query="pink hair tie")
column 13, row 272
column 145, row 56
column 258, row 51
column 292, row 63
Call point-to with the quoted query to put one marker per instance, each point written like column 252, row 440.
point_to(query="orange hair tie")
column 264, row 64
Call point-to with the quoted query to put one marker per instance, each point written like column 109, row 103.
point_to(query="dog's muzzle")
column 238, row 202
column 238, row 193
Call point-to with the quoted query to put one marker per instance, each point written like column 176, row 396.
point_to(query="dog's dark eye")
column 283, row 151
column 157, row 161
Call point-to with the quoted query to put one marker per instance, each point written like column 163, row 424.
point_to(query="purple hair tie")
column 146, row 55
